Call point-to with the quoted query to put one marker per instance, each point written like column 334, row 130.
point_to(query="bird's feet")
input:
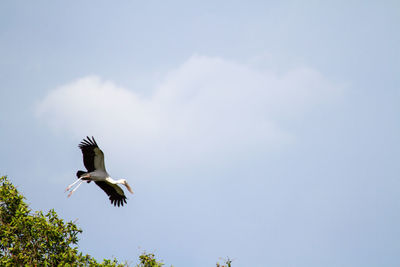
column 71, row 185
column 68, row 188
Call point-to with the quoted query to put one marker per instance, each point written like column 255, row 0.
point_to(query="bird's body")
column 93, row 159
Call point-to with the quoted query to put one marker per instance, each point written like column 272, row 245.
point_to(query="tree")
column 227, row 261
column 148, row 260
column 37, row 239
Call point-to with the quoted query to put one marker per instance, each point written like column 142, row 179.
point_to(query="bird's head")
column 124, row 182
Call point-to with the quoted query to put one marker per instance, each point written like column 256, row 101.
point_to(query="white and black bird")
column 93, row 159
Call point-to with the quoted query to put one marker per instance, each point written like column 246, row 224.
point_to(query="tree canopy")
column 38, row 239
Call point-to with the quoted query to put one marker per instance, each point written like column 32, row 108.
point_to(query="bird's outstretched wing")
column 115, row 193
column 93, row 157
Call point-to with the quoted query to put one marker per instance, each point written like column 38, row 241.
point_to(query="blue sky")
column 263, row 131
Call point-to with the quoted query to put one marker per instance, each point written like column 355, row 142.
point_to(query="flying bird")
column 93, row 159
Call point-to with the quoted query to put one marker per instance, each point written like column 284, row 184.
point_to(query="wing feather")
column 117, row 197
column 93, row 157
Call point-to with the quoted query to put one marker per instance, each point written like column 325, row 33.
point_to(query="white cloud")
column 206, row 108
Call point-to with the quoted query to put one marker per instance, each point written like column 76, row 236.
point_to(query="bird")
column 93, row 159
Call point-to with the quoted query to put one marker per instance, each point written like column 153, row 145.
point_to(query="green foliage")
column 227, row 263
column 37, row 239
column 148, row 260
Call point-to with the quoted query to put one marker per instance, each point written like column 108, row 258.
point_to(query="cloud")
column 208, row 107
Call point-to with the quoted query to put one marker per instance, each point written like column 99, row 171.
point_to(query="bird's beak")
column 128, row 187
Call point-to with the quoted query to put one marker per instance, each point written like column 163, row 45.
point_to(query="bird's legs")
column 71, row 185
column 82, row 178
column 72, row 191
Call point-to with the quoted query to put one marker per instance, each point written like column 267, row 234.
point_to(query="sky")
column 263, row 131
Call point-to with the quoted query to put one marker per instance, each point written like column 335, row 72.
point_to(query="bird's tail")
column 79, row 173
